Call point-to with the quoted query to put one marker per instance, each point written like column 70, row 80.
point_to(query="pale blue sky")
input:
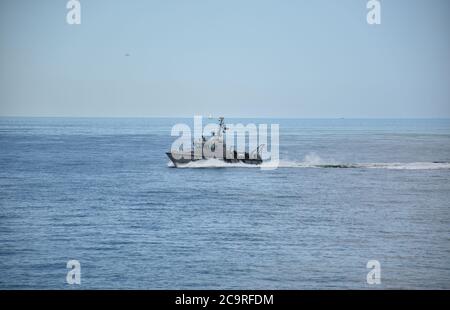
column 242, row 58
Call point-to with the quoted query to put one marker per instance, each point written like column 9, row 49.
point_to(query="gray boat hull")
column 246, row 160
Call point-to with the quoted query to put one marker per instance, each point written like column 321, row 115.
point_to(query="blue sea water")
column 101, row 191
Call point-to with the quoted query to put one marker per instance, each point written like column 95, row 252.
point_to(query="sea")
column 347, row 192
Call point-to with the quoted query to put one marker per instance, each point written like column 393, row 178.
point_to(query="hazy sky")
column 243, row 58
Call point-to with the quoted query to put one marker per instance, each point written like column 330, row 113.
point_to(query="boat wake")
column 391, row 166
column 314, row 161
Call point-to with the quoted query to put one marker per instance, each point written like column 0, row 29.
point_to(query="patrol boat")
column 210, row 148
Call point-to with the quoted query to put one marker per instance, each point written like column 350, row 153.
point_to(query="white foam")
column 407, row 166
column 215, row 163
column 314, row 161
column 391, row 166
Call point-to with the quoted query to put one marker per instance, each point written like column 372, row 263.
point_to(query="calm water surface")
column 100, row 191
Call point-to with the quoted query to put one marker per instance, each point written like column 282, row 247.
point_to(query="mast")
column 222, row 127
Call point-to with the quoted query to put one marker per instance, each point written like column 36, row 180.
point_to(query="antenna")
column 222, row 127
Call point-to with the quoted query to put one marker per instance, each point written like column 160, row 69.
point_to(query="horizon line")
column 238, row 117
